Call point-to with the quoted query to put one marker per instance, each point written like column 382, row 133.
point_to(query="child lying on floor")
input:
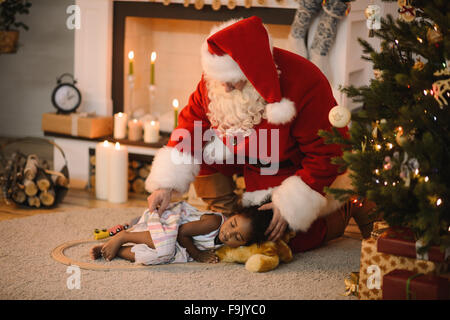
column 183, row 234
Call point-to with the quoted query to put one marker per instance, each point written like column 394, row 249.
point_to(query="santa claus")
column 266, row 106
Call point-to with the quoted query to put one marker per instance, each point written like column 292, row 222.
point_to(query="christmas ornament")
column 339, row 116
column 434, row 35
column 407, row 11
column 387, row 165
column 406, row 167
column 216, row 4
column 376, row 128
column 400, row 138
column 441, row 88
column 419, row 65
column 198, row 4
column 186, row 3
column 231, row 4
column 248, row 3
column 373, row 15
column 378, row 74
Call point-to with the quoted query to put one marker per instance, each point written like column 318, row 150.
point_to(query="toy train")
column 105, row 233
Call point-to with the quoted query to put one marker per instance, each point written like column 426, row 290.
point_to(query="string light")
column 377, row 147
column 377, row 171
column 420, row 40
column 385, row 183
column 439, row 202
column 390, row 146
column 425, row 92
column 426, row 179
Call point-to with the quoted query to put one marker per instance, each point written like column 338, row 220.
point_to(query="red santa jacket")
column 296, row 188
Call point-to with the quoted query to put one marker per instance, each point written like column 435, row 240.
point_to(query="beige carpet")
column 27, row 270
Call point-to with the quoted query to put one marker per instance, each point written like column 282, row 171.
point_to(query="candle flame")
column 131, row 55
column 175, row 103
column 117, row 146
column 120, row 114
column 106, row 143
column 152, row 123
column 153, row 56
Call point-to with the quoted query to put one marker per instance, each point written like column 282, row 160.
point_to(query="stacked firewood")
column 137, row 173
column 28, row 181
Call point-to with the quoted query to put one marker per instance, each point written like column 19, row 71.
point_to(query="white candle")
column 120, row 125
column 151, row 131
column 152, row 67
column 102, row 150
column 118, row 174
column 135, row 130
column 175, row 113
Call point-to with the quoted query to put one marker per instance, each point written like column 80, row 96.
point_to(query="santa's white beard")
column 235, row 112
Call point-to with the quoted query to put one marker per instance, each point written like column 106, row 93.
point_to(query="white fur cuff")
column 299, row 205
column 256, row 198
column 171, row 169
column 280, row 112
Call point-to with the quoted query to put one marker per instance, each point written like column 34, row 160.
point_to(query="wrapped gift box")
column 78, row 124
column 374, row 265
column 407, row 285
column 401, row 242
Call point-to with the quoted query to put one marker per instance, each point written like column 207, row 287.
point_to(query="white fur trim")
column 223, row 68
column 255, row 198
column 281, row 112
column 171, row 169
column 299, row 205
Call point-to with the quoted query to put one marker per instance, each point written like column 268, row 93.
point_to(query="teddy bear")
column 259, row 257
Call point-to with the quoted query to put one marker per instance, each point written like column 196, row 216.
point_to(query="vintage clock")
column 66, row 98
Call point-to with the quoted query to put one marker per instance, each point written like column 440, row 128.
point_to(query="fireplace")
column 175, row 33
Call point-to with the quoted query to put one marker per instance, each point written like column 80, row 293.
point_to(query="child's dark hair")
column 260, row 220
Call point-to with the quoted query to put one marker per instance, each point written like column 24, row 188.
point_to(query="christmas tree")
column 397, row 150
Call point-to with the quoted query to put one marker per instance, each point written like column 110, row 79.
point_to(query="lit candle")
column 130, row 64
column 152, row 70
column 135, row 130
column 175, row 110
column 151, row 131
column 102, row 150
column 118, row 174
column 120, row 125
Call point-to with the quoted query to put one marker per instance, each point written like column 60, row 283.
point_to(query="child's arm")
column 205, row 225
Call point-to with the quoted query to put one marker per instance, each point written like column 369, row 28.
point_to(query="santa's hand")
column 159, row 200
column 278, row 225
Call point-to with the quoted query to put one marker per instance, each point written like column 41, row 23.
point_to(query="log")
column 19, row 196
column 31, row 167
column 131, row 174
column 138, row 185
column 30, row 187
column 135, row 164
column 42, row 180
column 47, row 197
column 143, row 172
column 34, row 202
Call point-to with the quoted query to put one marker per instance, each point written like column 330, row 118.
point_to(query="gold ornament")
column 378, row 74
column 434, row 35
column 231, row 4
column 441, row 88
column 248, row 4
column 419, row 65
column 407, row 11
column 198, row 4
column 186, row 3
column 352, row 284
column 216, row 4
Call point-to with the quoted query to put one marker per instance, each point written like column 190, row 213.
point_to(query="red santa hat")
column 242, row 49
